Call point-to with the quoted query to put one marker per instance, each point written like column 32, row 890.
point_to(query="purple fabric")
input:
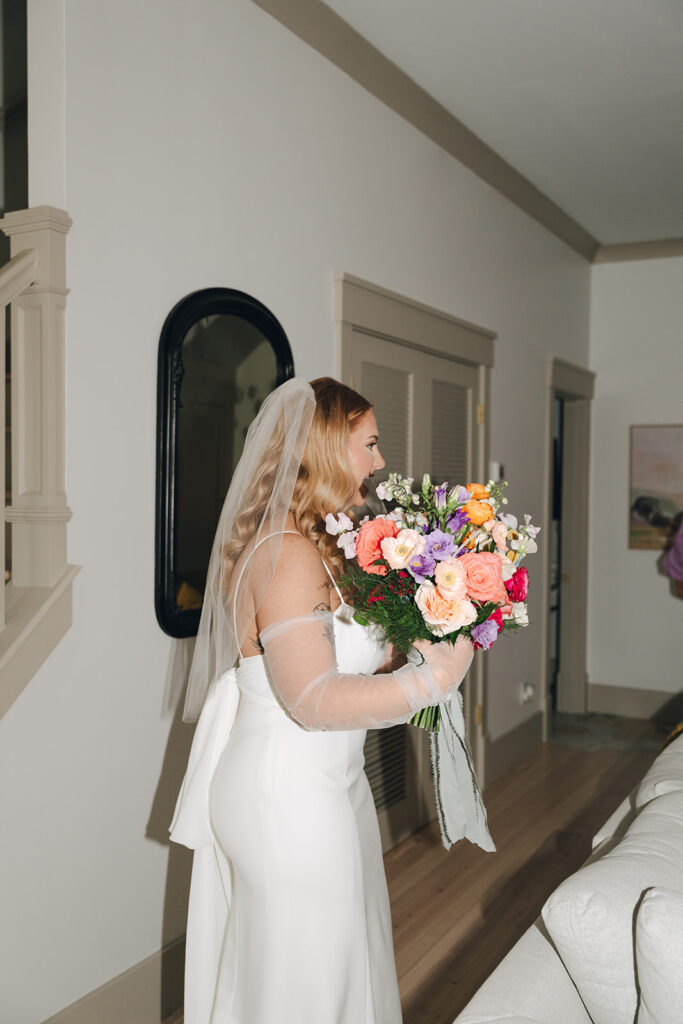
column 672, row 563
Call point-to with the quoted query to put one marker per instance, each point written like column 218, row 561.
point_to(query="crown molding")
column 663, row 248
column 323, row 29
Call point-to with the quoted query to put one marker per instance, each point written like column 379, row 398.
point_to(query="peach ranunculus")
column 369, row 544
column 450, row 578
column 400, row 549
column 499, row 532
column 478, row 491
column 478, row 512
column 484, row 577
column 443, row 615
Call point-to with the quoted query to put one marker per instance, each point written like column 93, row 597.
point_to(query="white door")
column 426, row 408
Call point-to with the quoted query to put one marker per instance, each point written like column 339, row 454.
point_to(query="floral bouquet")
column 441, row 563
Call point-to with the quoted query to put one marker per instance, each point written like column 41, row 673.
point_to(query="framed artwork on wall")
column 655, row 485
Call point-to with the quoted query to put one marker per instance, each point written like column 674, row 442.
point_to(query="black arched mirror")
column 220, row 353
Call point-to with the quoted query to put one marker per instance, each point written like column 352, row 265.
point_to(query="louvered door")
column 426, row 410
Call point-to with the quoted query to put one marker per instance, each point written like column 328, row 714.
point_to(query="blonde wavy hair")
column 325, row 482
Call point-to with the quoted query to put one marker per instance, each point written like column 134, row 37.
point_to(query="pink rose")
column 518, row 586
column 484, row 577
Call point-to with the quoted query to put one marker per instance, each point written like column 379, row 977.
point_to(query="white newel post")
column 38, row 510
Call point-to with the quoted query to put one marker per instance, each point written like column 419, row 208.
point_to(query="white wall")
column 205, row 145
column 634, row 622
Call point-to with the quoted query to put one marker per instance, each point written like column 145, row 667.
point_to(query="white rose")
column 520, row 615
column 509, row 568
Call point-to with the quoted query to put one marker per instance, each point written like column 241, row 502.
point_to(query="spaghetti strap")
column 334, row 582
column 234, row 602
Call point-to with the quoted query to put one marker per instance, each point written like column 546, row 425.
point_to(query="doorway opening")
column 569, row 395
column 555, row 544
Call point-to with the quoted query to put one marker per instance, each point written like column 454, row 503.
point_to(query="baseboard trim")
column 635, row 703
column 147, row 993
column 512, row 746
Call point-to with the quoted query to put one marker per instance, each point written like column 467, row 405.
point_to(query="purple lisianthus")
column 485, row 633
column 421, row 566
column 439, row 545
column 440, row 493
column 457, row 520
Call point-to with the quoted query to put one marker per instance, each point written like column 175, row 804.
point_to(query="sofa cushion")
column 590, row 916
column 665, row 775
column 659, row 957
column 529, row 986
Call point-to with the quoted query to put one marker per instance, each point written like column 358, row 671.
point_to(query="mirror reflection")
column 229, row 368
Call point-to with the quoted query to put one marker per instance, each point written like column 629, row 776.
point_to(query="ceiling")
column 584, row 99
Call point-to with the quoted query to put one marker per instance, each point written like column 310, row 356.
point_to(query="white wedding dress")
column 289, row 917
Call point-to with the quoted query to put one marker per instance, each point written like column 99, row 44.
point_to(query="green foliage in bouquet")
column 389, row 602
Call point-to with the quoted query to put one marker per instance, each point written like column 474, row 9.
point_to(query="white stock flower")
column 347, row 541
column 530, row 530
column 331, row 525
column 524, row 545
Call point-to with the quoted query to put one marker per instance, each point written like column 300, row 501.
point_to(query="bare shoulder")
column 299, row 585
column 300, row 553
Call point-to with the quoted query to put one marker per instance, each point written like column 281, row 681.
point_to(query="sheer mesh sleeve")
column 301, row 657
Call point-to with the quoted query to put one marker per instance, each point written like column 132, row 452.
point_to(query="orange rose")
column 478, row 512
column 478, row 491
column 369, row 544
column 484, row 577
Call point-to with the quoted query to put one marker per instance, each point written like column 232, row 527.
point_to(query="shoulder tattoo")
column 328, row 628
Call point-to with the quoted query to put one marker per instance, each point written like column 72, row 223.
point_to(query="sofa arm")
column 529, row 986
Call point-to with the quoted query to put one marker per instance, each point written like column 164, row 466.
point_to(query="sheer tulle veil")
column 256, row 507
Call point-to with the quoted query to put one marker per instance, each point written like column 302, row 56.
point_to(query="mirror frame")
column 186, row 313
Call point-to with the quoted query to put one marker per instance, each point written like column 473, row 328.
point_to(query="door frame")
column 362, row 307
column 576, row 386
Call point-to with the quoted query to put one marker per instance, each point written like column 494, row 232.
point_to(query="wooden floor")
column 455, row 915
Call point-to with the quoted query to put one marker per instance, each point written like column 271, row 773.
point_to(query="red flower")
column 497, row 617
column 518, row 586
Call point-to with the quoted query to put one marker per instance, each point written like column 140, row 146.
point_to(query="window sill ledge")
column 36, row 619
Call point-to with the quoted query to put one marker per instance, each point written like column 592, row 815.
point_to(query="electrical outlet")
column 527, row 693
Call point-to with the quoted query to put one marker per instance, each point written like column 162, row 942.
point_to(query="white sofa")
column 608, row 947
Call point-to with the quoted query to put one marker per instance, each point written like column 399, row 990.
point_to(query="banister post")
column 38, row 511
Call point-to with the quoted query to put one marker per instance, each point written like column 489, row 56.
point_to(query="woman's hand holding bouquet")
column 441, row 564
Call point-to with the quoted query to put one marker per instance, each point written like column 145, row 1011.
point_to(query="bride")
column 289, row 919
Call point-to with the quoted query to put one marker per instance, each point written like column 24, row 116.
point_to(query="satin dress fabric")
column 308, row 934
